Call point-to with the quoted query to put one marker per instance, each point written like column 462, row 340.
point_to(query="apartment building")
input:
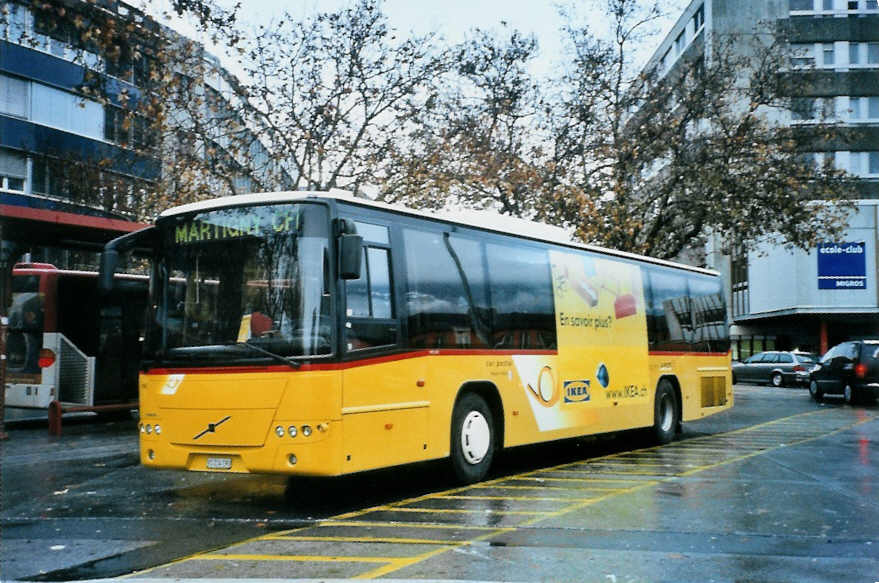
column 778, row 298
column 67, row 150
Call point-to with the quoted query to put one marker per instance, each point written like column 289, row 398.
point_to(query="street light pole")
column 7, row 250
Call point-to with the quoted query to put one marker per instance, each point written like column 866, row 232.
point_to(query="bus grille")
column 713, row 391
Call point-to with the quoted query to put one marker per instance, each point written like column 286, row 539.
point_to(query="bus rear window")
column 25, row 325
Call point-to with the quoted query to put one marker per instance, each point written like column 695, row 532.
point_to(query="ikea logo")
column 576, row 391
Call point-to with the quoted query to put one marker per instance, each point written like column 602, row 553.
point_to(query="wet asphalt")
column 779, row 488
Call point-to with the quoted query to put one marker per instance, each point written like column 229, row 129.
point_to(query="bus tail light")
column 861, row 370
column 46, row 358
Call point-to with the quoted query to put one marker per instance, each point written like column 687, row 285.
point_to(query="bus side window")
column 370, row 303
column 520, row 282
column 446, row 297
column 710, row 332
column 669, row 318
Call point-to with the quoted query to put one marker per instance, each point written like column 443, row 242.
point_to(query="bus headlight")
column 158, row 430
column 149, row 429
column 292, row 431
column 279, row 431
column 306, row 430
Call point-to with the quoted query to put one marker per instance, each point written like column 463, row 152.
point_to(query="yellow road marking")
column 414, row 560
column 378, row 523
column 365, row 539
column 566, row 480
column 545, row 487
column 525, row 498
column 455, row 510
column 741, row 447
column 297, row 558
column 389, row 569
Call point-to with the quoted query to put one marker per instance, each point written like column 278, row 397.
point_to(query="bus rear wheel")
column 473, row 438
column 665, row 413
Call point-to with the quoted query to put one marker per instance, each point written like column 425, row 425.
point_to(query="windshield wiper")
column 274, row 355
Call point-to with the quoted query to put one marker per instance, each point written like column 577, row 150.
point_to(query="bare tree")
column 673, row 156
column 332, row 95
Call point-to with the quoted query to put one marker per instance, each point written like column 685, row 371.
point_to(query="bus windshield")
column 232, row 277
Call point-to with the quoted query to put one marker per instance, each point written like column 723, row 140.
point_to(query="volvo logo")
column 212, row 427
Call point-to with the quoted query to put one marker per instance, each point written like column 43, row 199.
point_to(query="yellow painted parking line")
column 365, row 539
column 458, row 511
column 389, row 569
column 379, row 523
column 545, row 487
column 600, row 470
column 582, row 475
column 414, row 560
column 517, row 498
column 297, row 558
column 571, row 480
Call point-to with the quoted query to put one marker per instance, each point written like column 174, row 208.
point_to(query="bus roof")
column 484, row 220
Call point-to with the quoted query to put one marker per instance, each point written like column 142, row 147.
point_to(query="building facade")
column 73, row 138
column 778, row 298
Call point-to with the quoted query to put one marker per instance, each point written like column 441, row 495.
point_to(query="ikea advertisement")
column 842, row 266
column 602, row 343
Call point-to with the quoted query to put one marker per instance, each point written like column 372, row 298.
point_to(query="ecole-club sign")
column 842, row 266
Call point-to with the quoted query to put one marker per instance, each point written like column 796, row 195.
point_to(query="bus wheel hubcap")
column 475, row 437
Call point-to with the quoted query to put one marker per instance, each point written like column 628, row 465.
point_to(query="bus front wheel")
column 473, row 438
column 665, row 413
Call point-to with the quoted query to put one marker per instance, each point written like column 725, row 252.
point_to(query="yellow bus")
column 321, row 334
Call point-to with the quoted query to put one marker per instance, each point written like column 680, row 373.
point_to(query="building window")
column 854, row 108
column 66, row 111
column 13, row 170
column 864, row 163
column 811, row 109
column 827, row 5
column 699, row 18
column 739, row 282
column 802, row 55
column 829, row 54
column 864, row 108
column 854, row 53
column 803, row 108
column 13, row 24
column 13, row 96
column 681, row 42
column 801, row 5
column 873, row 53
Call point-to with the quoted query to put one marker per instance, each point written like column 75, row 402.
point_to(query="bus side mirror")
column 109, row 262
column 349, row 256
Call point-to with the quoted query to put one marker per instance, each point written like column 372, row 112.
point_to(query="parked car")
column 850, row 369
column 778, row 368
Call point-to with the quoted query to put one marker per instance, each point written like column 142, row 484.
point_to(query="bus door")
column 384, row 407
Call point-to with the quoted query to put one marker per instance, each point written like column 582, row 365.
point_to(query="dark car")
column 850, row 369
column 775, row 367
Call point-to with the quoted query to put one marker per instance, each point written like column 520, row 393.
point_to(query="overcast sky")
column 454, row 18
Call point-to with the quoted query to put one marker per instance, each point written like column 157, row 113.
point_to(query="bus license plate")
column 219, row 463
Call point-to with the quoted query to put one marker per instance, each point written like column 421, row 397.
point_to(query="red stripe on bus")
column 675, row 353
column 350, row 364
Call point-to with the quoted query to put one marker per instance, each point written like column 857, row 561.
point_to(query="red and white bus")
column 68, row 343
